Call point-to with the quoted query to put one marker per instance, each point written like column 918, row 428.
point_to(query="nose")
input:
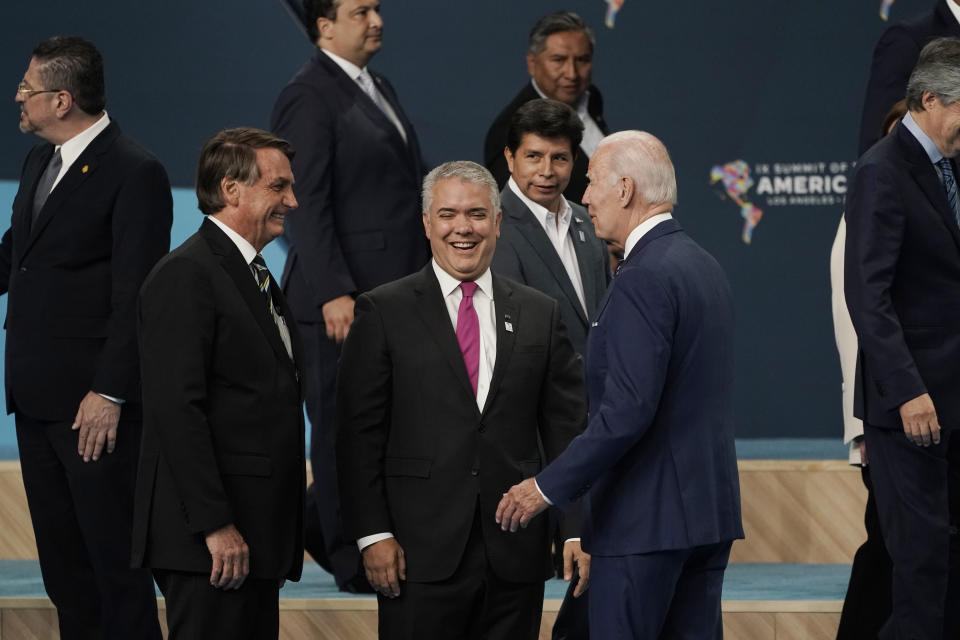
column 375, row 19
column 290, row 200
column 546, row 166
column 569, row 68
column 585, row 200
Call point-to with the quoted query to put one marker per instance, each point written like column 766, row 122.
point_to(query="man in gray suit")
column 545, row 241
column 548, row 243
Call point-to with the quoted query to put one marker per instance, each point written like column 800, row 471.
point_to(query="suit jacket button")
column 474, row 472
column 23, row 269
column 481, row 427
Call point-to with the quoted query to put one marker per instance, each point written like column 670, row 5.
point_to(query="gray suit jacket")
column 524, row 253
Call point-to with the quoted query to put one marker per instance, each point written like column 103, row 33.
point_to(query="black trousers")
column 573, row 619
column 324, row 538
column 473, row 604
column 198, row 611
column 82, row 514
column 868, row 601
column 918, row 499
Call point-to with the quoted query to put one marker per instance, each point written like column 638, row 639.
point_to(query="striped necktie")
column 259, row 266
column 950, row 184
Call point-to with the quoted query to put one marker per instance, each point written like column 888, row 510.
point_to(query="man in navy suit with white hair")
column 657, row 462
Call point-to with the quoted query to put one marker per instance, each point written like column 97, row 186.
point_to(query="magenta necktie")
column 468, row 332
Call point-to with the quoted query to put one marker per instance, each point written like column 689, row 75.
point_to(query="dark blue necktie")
column 950, row 184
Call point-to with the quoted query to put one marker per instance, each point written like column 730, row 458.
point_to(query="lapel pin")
column 506, row 323
column 85, row 168
column 583, row 238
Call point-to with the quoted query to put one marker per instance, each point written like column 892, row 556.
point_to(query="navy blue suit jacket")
column 657, row 459
column 894, row 57
column 525, row 253
column 902, row 282
column 358, row 186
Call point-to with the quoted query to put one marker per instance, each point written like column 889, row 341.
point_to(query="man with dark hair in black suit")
column 91, row 217
column 358, row 171
column 901, row 282
column 559, row 60
column 220, row 490
column 894, row 58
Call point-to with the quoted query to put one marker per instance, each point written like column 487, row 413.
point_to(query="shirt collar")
column 348, row 67
column 246, row 249
column 448, row 283
column 642, row 230
column 954, row 9
column 72, row 148
column 581, row 106
column 932, row 152
column 538, row 210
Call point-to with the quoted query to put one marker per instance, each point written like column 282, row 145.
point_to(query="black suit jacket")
column 525, row 253
column 496, row 140
column 222, row 428
column 902, row 278
column 894, row 57
column 72, row 277
column 358, row 185
column 414, row 452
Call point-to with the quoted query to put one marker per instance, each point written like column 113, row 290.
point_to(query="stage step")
column 761, row 602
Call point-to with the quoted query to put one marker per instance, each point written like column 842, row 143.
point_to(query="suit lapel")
column 530, row 229
column 927, row 178
column 505, row 310
column 578, row 234
column 433, row 312
column 239, row 271
column 23, row 213
column 79, row 172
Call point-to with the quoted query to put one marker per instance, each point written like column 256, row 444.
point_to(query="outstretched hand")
column 519, row 505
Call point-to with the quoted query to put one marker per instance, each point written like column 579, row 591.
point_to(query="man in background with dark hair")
column 901, row 282
column 548, row 243
column 220, row 491
column 894, row 58
column 559, row 60
column 91, row 217
column 358, row 171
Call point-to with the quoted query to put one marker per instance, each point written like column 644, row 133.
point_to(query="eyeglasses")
column 26, row 93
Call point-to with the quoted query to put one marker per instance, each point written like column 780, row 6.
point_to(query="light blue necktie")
column 950, row 184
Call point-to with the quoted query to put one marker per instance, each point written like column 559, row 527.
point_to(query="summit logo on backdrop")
column 779, row 184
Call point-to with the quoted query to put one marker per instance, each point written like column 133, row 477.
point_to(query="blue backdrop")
column 777, row 86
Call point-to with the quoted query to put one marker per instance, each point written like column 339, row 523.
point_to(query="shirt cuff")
column 542, row 494
column 366, row 541
column 110, row 398
column 572, row 540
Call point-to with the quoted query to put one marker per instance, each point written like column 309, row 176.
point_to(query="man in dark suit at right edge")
column 902, row 278
column 358, row 171
column 894, row 58
column 559, row 60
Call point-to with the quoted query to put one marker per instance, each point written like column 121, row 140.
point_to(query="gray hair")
column 465, row 170
column 555, row 23
column 640, row 156
column 937, row 71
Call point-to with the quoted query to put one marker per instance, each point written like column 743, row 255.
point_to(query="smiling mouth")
column 463, row 245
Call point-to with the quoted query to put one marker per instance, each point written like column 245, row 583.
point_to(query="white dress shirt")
column 483, row 304
column 248, row 252
column 592, row 135
column 559, row 236
column 72, row 148
column 354, row 72
column 642, row 229
column 954, row 9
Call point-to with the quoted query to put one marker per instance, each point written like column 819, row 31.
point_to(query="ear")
column 323, row 28
column 230, row 189
column 627, row 190
column 928, row 100
column 64, row 103
column 509, row 157
column 499, row 218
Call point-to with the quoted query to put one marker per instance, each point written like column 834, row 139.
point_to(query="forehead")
column 533, row 142
column 33, row 69
column 457, row 193
column 273, row 164
column 567, row 42
column 348, row 6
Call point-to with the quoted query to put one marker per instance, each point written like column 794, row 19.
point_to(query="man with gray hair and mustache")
column 902, row 286
column 657, row 462
column 451, row 382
